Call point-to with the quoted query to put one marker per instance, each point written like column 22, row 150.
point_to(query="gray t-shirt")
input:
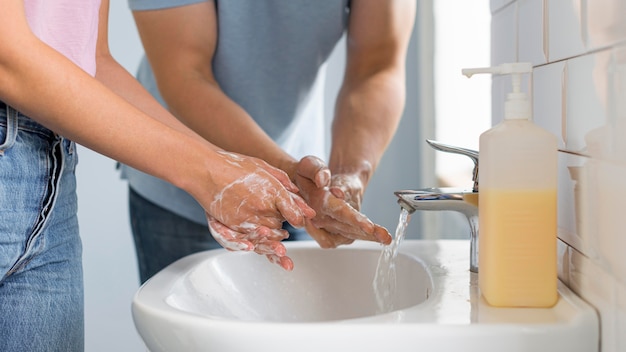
column 270, row 59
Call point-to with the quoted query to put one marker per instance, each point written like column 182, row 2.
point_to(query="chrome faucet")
column 464, row 201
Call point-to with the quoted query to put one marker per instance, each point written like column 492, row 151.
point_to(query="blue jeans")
column 41, row 283
column 162, row 237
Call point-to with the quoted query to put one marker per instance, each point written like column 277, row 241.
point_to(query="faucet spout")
column 446, row 199
column 454, row 199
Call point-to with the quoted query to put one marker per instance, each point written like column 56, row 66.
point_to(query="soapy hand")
column 261, row 240
column 337, row 221
column 349, row 188
column 248, row 213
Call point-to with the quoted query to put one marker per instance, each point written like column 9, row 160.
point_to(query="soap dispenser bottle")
column 517, row 203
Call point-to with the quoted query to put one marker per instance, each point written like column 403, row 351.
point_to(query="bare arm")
column 42, row 83
column 372, row 96
column 116, row 78
column 39, row 83
column 180, row 43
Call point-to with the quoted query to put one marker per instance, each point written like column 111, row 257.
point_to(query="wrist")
column 362, row 170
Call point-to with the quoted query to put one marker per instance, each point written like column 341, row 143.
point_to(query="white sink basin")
column 325, row 285
column 233, row 301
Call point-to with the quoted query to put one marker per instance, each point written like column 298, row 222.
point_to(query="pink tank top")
column 69, row 26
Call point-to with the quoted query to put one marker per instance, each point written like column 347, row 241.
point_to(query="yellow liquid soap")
column 517, row 248
column 471, row 198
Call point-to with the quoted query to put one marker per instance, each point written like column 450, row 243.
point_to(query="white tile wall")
column 505, row 37
column 563, row 251
column 574, row 211
column 531, row 41
column 607, row 201
column 599, row 289
column 497, row 5
column 585, row 103
column 565, row 29
column 605, row 22
column 578, row 49
column 549, row 98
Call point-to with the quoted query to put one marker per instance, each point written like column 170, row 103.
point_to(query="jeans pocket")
column 8, row 129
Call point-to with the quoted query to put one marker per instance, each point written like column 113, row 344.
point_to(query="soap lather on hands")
column 336, row 201
column 330, row 220
column 247, row 214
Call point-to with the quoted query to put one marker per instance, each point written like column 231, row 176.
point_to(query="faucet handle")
column 472, row 154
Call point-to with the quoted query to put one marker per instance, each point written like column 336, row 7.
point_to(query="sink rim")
column 453, row 304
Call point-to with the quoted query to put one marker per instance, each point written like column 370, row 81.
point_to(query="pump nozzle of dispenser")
column 504, row 69
column 517, row 105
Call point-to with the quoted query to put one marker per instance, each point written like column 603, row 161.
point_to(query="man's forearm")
column 221, row 121
column 366, row 118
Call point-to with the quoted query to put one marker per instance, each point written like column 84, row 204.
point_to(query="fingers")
column 253, row 202
column 348, row 187
column 276, row 252
column 342, row 212
column 284, row 262
column 271, row 247
column 382, row 235
column 228, row 238
column 280, row 175
column 261, row 234
column 338, row 218
column 294, row 209
column 341, row 218
column 326, row 239
column 261, row 240
column 337, row 192
column 314, row 169
column 339, row 227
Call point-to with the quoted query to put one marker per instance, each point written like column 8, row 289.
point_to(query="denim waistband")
column 23, row 122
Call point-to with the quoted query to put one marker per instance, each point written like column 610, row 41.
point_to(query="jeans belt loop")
column 11, row 129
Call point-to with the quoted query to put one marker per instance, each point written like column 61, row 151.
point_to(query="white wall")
column 578, row 49
column 111, row 277
column 462, row 105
